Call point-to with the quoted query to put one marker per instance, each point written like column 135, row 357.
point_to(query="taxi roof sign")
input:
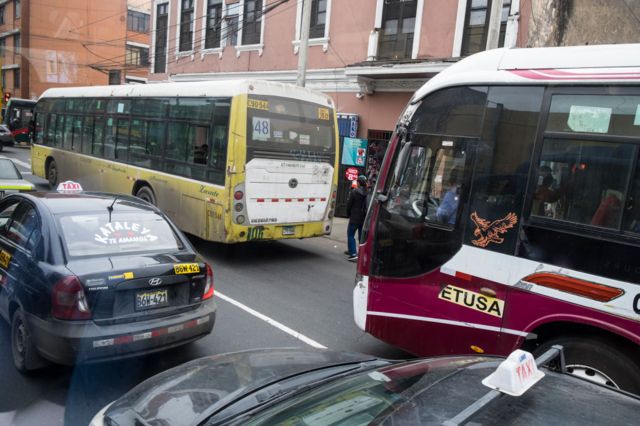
column 515, row 375
column 69, row 186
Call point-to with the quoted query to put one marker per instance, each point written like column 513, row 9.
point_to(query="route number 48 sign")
column 261, row 128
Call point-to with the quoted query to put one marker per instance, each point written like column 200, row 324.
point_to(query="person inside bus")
column 448, row 207
column 356, row 211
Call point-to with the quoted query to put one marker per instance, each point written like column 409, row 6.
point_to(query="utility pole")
column 493, row 34
column 304, row 42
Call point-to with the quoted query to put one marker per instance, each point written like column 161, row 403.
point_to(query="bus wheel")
column 145, row 193
column 598, row 360
column 52, row 174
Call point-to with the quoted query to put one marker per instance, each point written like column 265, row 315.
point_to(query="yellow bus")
column 228, row 161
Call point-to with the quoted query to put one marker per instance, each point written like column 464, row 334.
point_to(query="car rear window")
column 93, row 234
column 8, row 170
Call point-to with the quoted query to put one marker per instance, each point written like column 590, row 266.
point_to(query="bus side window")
column 67, row 140
column 219, row 142
column 59, row 131
column 122, row 139
column 97, row 147
column 50, row 131
column 632, row 209
column 77, row 133
column 87, row 135
column 109, row 150
column 503, row 159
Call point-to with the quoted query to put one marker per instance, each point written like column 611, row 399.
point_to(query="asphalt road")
column 276, row 294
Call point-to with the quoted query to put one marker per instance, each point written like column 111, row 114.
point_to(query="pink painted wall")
column 379, row 111
column 438, row 28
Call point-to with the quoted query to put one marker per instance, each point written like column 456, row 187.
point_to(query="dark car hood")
column 179, row 396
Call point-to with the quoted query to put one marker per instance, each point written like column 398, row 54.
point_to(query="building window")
column 114, row 77
column 1, row 14
column 397, row 31
column 137, row 56
column 3, row 44
column 16, row 78
column 214, row 23
column 252, row 22
column 16, row 43
column 16, row 9
column 137, row 21
column 186, row 26
column 476, row 26
column 318, row 18
column 4, row 79
column 232, row 21
column 160, row 54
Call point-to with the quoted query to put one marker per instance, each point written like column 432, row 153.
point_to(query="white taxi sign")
column 515, row 375
column 69, row 186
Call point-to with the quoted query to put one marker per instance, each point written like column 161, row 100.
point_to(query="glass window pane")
column 119, row 106
column 110, row 135
column 632, row 209
column 179, row 139
column 67, row 140
column 122, row 139
column 98, row 137
column 77, row 133
column 456, row 111
column 583, row 181
column 605, row 114
column 192, row 109
column 87, row 135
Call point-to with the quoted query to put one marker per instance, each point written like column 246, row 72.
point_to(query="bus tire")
column 52, row 174
column 145, row 193
column 25, row 355
column 598, row 359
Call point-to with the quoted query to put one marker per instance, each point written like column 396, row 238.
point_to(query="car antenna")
column 110, row 208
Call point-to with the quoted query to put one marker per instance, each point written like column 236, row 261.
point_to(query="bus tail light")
column 208, row 287
column 238, row 195
column 599, row 292
column 68, row 301
column 239, row 205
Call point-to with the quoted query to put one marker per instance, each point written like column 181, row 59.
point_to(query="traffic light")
column 7, row 96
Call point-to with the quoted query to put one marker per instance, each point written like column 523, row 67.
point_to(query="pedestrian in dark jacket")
column 356, row 211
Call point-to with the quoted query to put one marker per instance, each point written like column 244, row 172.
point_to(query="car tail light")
column 208, row 287
column 238, row 195
column 68, row 300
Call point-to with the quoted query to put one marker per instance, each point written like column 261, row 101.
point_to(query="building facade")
column 54, row 43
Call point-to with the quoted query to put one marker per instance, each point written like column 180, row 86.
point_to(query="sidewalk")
column 339, row 230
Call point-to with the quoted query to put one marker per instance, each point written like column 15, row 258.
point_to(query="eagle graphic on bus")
column 489, row 232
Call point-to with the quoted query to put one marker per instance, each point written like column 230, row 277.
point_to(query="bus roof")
column 546, row 65
column 226, row 88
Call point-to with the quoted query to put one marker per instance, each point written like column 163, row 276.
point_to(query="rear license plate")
column 186, row 268
column 151, row 299
column 288, row 230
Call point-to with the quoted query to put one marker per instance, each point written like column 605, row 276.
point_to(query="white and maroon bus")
column 507, row 213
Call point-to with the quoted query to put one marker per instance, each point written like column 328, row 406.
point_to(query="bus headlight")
column 240, row 219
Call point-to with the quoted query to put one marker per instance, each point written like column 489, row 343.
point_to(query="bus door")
column 416, row 299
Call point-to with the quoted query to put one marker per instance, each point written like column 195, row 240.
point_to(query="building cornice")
column 334, row 80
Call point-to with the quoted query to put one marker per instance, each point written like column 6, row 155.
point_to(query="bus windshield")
column 288, row 125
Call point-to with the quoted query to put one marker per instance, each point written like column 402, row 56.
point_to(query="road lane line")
column 271, row 321
column 18, row 162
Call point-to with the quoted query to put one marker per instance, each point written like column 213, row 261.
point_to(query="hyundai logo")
column 293, row 183
column 155, row 281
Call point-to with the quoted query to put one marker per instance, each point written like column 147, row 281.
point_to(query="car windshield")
column 362, row 398
column 92, row 234
column 8, row 170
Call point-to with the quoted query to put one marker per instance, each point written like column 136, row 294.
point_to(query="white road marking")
column 271, row 321
column 18, row 162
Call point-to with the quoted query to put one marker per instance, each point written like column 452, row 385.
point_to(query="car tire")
column 1, row 146
column 52, row 174
column 145, row 193
column 597, row 359
column 25, row 355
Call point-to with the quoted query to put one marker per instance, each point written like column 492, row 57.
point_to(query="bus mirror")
column 403, row 157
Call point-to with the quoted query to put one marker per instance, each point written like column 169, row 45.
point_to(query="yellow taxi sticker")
column 5, row 258
column 472, row 300
column 125, row 276
column 258, row 104
column 323, row 113
column 186, row 268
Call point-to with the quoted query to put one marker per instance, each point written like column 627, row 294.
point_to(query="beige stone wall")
column 580, row 22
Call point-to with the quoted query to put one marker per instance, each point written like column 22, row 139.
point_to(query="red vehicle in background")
column 17, row 117
column 507, row 213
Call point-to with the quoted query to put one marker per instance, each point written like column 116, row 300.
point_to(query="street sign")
column 354, row 152
column 351, row 173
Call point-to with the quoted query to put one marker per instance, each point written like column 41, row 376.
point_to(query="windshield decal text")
column 124, row 232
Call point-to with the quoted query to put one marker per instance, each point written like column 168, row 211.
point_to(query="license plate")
column 152, row 299
column 288, row 230
column 186, row 268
